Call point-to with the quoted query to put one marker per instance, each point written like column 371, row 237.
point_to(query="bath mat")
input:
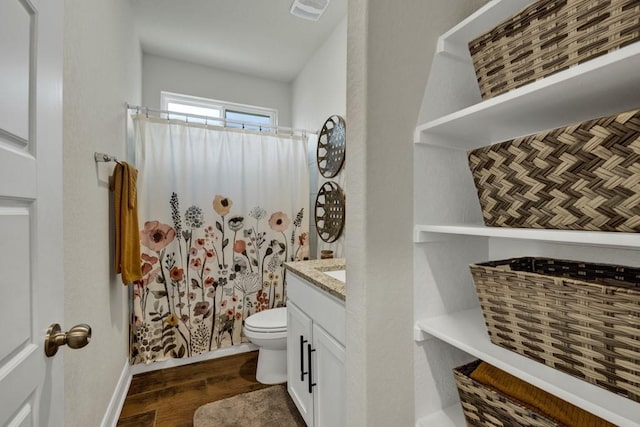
column 269, row 407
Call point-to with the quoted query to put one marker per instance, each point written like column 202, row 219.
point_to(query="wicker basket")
column 489, row 399
column 580, row 318
column 550, row 36
column 484, row 406
column 581, row 177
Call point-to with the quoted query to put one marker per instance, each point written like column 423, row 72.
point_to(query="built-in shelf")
column 448, row 417
column 605, row 85
column 431, row 233
column 466, row 331
column 457, row 120
column 456, row 39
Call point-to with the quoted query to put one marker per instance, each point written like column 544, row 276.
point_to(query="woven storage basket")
column 580, row 318
column 484, row 406
column 496, row 398
column 550, row 36
column 581, row 177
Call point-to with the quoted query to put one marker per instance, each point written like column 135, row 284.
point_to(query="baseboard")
column 117, row 399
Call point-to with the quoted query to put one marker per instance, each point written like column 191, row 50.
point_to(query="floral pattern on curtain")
column 207, row 263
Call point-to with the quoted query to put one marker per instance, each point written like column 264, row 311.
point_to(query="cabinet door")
column 328, row 374
column 299, row 336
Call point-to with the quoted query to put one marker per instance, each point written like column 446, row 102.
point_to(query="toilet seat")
column 268, row 321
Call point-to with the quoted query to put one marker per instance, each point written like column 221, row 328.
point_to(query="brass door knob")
column 76, row 337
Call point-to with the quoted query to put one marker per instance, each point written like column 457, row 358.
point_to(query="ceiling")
column 254, row 37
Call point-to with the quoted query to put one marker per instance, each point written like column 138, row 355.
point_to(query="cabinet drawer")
column 325, row 310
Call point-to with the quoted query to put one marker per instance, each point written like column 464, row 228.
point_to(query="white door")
column 329, row 375
column 298, row 341
column 31, row 257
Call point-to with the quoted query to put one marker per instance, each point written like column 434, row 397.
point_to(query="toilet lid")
column 274, row 319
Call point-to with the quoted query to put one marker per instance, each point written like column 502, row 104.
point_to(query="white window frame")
column 223, row 106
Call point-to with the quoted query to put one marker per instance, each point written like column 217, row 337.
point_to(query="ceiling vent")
column 309, row 9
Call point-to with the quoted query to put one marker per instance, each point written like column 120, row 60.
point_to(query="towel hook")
column 104, row 157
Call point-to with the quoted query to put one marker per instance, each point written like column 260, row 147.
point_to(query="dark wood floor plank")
column 170, row 397
column 174, row 394
column 155, row 380
column 144, row 419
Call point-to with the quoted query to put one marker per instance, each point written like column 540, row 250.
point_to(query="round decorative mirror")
column 330, row 210
column 331, row 146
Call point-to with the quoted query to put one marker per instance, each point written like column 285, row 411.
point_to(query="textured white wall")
column 319, row 91
column 170, row 75
column 390, row 48
column 102, row 70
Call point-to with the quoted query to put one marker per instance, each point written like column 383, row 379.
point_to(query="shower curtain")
column 220, row 212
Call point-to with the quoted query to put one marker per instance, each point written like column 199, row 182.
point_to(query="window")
column 262, row 122
column 235, row 115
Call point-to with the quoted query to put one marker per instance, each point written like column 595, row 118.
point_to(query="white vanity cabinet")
column 315, row 353
column 299, row 331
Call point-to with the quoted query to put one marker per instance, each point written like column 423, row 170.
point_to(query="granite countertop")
column 312, row 271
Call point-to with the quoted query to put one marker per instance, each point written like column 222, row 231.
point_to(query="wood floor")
column 169, row 397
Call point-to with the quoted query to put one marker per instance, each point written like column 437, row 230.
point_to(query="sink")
column 340, row 275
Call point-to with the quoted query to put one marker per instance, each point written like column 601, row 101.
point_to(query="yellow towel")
column 533, row 397
column 127, row 234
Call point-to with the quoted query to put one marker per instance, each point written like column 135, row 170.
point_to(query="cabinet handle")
column 311, row 384
column 302, row 372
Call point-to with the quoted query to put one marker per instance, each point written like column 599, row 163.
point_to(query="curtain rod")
column 283, row 129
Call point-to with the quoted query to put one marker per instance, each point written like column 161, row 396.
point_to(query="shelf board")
column 448, row 417
column 431, row 233
column 605, row 85
column 455, row 41
column 466, row 330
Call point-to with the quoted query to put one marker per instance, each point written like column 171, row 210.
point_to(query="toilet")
column 268, row 330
